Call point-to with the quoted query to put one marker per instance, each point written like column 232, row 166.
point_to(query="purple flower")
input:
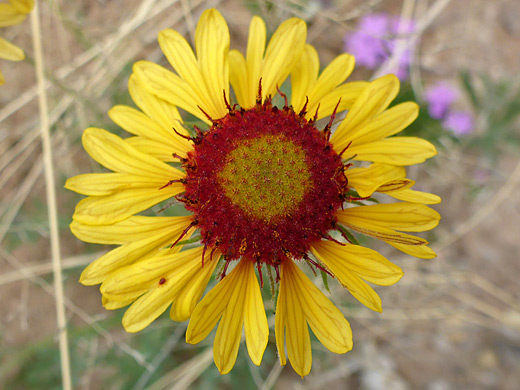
column 439, row 98
column 460, row 122
column 367, row 44
column 372, row 45
column 367, row 50
column 375, row 25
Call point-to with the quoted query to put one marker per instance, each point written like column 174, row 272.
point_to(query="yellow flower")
column 264, row 187
column 10, row 14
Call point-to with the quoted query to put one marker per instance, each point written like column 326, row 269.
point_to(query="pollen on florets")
column 263, row 184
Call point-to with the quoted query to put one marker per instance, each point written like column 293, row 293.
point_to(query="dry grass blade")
column 46, row 267
column 184, row 375
column 51, row 202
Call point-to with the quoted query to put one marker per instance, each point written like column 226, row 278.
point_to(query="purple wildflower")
column 460, row 122
column 375, row 25
column 439, row 98
column 367, row 44
column 372, row 44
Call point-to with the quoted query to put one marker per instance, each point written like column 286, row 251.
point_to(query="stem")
column 51, row 201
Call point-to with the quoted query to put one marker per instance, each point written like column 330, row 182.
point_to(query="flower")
column 367, row 44
column 460, row 122
column 264, row 187
column 375, row 43
column 440, row 97
column 10, row 14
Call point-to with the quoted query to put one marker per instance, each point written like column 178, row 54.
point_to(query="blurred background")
column 451, row 323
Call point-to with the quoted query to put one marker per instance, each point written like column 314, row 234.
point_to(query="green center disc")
column 266, row 177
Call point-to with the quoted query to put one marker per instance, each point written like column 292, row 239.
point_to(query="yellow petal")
column 372, row 101
column 140, row 248
column 303, row 77
column 113, row 153
column 255, row 320
column 122, row 256
column 415, row 196
column 164, row 276
column 10, row 52
column 186, row 300
column 390, row 122
column 395, row 150
column 156, row 109
column 181, row 57
column 238, row 77
column 135, row 122
column 212, row 46
column 395, row 185
column 2, row 78
column 332, row 76
column 367, row 180
column 237, row 296
column 209, row 310
column 147, row 308
column 114, row 305
column 132, row 229
column 168, row 86
column 345, row 95
column 296, row 329
column 356, row 286
column 102, row 210
column 254, row 60
column 159, row 150
column 10, row 16
column 22, row 6
column 299, row 302
column 279, row 327
column 101, row 184
column 229, row 332
column 172, row 266
column 326, row 321
column 364, row 262
column 421, row 251
column 402, row 216
column 382, row 233
column 282, row 53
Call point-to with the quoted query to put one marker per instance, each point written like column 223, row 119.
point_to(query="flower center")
column 266, row 177
column 263, row 184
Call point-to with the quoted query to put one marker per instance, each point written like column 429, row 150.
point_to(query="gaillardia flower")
column 266, row 188
column 10, row 14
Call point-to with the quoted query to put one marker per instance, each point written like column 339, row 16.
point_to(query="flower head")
column 440, row 97
column 374, row 43
column 266, row 188
column 367, row 43
column 10, row 14
column 460, row 122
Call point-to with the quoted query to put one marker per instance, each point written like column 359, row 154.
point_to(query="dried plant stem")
column 51, row 201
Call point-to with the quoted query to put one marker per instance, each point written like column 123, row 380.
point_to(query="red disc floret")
column 225, row 224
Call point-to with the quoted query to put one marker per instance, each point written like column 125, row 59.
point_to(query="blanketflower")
column 266, row 190
column 10, row 14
